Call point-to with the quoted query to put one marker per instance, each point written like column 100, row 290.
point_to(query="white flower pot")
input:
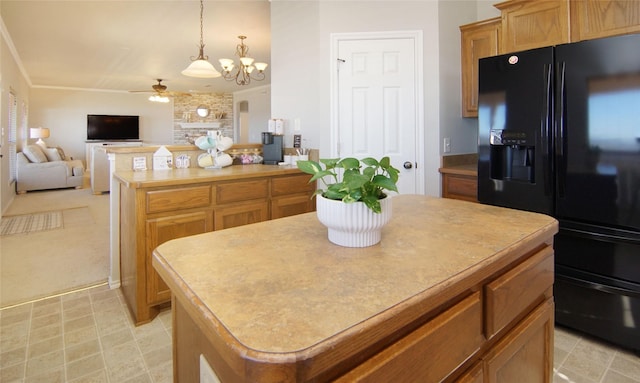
column 352, row 224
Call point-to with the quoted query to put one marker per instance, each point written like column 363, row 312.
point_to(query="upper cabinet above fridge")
column 528, row 24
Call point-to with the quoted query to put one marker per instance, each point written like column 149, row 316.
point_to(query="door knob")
column 408, row 165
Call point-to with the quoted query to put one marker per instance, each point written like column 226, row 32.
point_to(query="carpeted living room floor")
column 44, row 263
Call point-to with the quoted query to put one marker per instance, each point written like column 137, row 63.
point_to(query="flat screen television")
column 112, row 127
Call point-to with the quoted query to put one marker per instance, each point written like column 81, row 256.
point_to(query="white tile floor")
column 88, row 336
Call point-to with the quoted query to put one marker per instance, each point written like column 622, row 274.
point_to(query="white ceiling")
column 126, row 45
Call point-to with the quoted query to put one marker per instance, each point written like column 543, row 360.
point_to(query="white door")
column 378, row 87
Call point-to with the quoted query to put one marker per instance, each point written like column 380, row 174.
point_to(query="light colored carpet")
column 29, row 223
column 45, row 263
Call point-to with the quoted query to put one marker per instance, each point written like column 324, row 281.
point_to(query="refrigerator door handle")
column 561, row 165
column 544, row 130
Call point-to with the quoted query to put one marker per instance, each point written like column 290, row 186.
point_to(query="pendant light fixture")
column 199, row 66
column 246, row 69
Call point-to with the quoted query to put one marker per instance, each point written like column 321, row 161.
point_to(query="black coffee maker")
column 272, row 148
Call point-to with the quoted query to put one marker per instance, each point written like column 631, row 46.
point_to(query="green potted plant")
column 354, row 204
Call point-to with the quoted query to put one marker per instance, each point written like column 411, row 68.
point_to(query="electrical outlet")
column 447, row 145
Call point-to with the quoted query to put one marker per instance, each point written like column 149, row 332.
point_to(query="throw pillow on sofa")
column 61, row 152
column 52, row 154
column 34, row 153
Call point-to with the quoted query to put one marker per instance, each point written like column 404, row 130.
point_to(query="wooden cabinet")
column 478, row 40
column 148, row 218
column 460, row 186
column 239, row 214
column 530, row 24
column 290, row 196
column 153, row 215
column 418, row 357
column 490, row 325
column 163, row 229
column 241, row 203
column 529, row 347
column 592, row 19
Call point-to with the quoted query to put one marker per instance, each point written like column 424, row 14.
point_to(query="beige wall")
column 10, row 80
column 64, row 112
column 300, row 51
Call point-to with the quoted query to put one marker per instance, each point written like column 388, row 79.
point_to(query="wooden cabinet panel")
column 242, row 191
column 176, row 199
column 511, row 294
column 459, row 186
column 418, row 357
column 240, row 214
column 161, row 230
column 292, row 184
column 288, row 206
column 474, row 375
column 592, row 19
column 528, row 347
column 478, row 40
column 530, row 24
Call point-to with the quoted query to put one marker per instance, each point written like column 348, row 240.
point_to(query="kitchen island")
column 157, row 206
column 455, row 291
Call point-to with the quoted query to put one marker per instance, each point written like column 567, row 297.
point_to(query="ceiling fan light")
column 158, row 98
column 201, row 69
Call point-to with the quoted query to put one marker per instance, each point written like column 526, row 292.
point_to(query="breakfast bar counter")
column 455, row 291
column 169, row 177
column 156, row 206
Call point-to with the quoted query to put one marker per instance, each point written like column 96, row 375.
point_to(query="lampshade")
column 202, row 69
column 39, row 133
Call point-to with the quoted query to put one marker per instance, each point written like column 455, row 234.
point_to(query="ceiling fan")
column 161, row 94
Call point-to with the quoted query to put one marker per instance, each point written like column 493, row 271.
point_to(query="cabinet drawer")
column 178, row 199
column 242, row 191
column 291, row 185
column 460, row 187
column 521, row 287
column 291, row 205
column 419, row 356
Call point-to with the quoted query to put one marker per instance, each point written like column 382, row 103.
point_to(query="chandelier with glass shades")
column 247, row 68
column 199, row 66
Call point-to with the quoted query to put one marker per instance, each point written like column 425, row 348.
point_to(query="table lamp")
column 39, row 133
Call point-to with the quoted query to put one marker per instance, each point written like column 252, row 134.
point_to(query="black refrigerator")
column 559, row 134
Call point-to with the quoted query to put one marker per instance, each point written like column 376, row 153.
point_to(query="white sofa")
column 46, row 168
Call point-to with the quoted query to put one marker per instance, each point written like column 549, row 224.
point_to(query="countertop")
column 462, row 164
column 280, row 290
column 151, row 178
column 465, row 170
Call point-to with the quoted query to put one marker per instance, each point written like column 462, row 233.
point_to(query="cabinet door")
column 592, row 19
column 478, row 40
column 528, row 347
column 533, row 24
column 291, row 205
column 163, row 229
column 240, row 214
column 457, row 186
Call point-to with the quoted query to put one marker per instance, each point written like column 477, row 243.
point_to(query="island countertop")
column 168, row 177
column 280, row 292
